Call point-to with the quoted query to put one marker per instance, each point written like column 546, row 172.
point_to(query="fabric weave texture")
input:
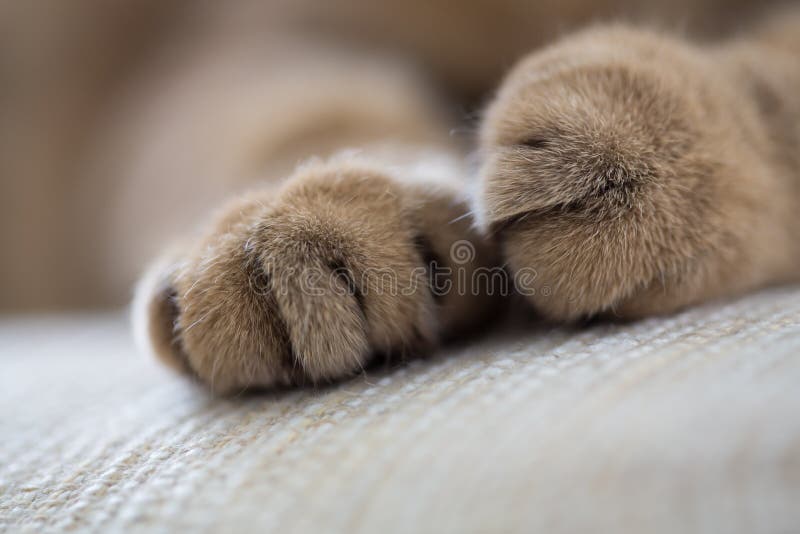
column 689, row 423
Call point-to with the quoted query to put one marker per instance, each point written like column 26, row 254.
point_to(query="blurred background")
column 123, row 122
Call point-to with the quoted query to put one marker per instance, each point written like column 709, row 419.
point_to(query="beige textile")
column 689, row 423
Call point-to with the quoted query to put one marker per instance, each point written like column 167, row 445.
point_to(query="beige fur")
column 638, row 173
column 623, row 172
column 306, row 283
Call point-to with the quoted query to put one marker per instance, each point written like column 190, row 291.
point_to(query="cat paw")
column 622, row 168
column 304, row 284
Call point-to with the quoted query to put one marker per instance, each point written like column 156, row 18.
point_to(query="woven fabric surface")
column 689, row 423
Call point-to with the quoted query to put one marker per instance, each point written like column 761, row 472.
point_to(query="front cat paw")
column 304, row 285
column 622, row 169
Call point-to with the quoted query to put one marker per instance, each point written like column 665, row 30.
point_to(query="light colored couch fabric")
column 684, row 424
